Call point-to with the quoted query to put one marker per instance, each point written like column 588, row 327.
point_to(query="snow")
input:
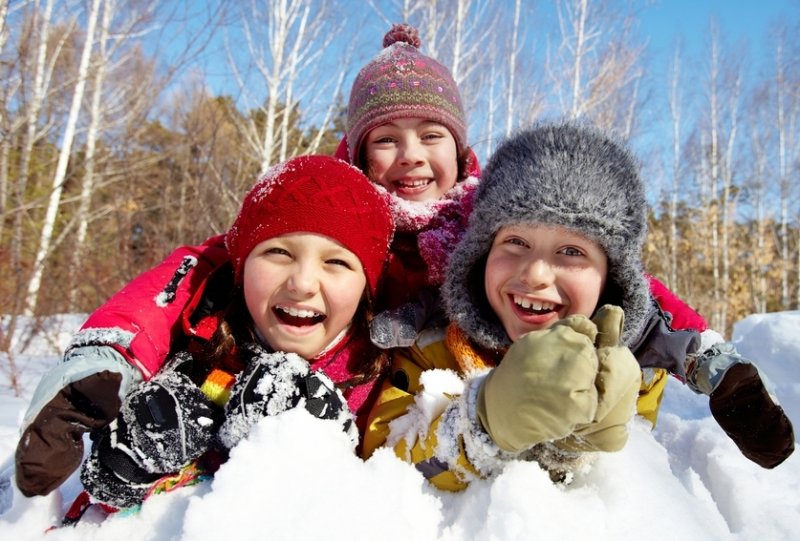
column 295, row 477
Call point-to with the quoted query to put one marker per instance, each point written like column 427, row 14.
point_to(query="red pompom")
column 402, row 33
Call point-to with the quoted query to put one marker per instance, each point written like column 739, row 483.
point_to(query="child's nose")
column 537, row 273
column 411, row 152
column 304, row 280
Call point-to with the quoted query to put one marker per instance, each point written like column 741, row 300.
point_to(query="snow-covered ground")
column 295, row 478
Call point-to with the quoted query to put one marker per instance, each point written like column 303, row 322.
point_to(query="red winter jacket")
column 684, row 317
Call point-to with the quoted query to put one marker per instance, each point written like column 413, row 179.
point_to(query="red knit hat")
column 315, row 194
column 401, row 82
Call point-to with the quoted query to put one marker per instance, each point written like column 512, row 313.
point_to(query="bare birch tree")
column 104, row 106
column 676, row 112
column 5, row 128
column 285, row 43
column 713, row 134
column 595, row 69
column 42, row 68
column 512, row 68
column 787, row 123
column 719, row 132
column 91, row 139
column 727, row 200
column 759, row 174
column 48, row 226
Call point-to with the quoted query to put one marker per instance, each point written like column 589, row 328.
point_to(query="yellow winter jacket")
column 450, row 458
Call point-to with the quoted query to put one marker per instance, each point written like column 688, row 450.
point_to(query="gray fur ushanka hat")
column 564, row 174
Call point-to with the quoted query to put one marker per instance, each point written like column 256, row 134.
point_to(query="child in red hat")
column 283, row 326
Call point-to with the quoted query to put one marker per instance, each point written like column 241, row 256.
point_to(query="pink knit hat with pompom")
column 401, row 82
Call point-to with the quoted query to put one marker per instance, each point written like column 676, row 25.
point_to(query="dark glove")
column 163, row 425
column 742, row 405
column 51, row 447
column 276, row 382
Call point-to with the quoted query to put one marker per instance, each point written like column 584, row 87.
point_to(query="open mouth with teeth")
column 298, row 318
column 409, row 185
column 533, row 307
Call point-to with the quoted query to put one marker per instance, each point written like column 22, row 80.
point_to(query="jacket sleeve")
column 660, row 351
column 673, row 333
column 682, row 315
column 141, row 320
column 130, row 335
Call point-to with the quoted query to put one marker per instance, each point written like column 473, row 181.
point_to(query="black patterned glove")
column 276, row 382
column 163, row 425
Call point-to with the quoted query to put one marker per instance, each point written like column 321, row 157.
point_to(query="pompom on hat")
column 568, row 175
column 401, row 82
column 315, row 194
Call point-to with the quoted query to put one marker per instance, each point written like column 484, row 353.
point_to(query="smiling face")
column 415, row 159
column 302, row 290
column 537, row 274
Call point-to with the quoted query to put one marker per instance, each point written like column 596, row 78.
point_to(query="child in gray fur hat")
column 545, row 294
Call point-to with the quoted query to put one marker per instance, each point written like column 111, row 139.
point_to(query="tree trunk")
column 48, row 227
column 87, row 189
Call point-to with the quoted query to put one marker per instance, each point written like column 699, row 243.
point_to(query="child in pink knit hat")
column 406, row 128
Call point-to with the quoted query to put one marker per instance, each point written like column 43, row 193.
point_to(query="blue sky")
column 661, row 22
column 745, row 26
column 739, row 20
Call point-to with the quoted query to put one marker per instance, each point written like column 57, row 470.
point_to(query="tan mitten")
column 617, row 383
column 543, row 388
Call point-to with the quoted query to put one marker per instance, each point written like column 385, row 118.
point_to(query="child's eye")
column 339, row 262
column 384, row 140
column 277, row 251
column 432, row 136
column 571, row 251
column 515, row 241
